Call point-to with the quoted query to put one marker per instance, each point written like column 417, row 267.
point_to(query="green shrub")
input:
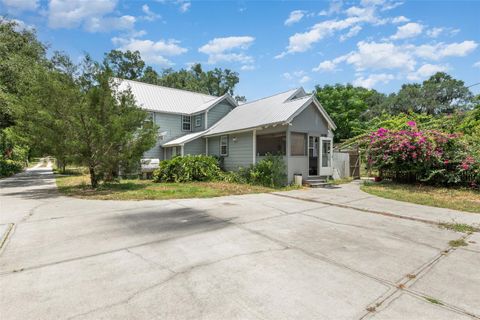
column 9, row 167
column 269, row 172
column 188, row 168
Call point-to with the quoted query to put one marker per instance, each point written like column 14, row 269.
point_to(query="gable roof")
column 170, row 100
column 277, row 109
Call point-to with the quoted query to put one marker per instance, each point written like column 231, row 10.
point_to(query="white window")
column 224, row 145
column 186, row 123
column 151, row 116
column 198, row 121
column 162, row 135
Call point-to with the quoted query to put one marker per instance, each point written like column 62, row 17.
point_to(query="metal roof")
column 170, row 100
column 276, row 109
column 184, row 139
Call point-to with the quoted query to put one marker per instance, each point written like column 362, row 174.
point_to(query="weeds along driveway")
column 301, row 254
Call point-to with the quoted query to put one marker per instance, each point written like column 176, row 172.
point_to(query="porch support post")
column 206, row 146
column 254, row 145
column 182, row 150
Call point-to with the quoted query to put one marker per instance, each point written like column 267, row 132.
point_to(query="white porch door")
column 326, row 156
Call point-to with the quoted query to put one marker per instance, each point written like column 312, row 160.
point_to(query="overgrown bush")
column 269, row 172
column 188, row 168
column 9, row 167
column 429, row 156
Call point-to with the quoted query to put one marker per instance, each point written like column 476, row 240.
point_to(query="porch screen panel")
column 326, row 154
column 298, row 144
column 272, row 143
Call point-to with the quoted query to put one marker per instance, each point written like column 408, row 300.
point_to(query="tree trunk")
column 93, row 177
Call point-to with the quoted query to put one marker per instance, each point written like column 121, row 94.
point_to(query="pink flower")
column 412, row 124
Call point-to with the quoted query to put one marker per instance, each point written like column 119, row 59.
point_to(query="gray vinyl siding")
column 214, row 146
column 155, row 153
column 202, row 122
column 218, row 112
column 311, row 122
column 240, row 153
column 196, row 146
column 171, row 124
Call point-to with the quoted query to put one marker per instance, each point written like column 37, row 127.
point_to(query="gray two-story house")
column 292, row 124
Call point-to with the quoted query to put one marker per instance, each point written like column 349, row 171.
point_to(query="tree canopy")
column 216, row 82
column 352, row 108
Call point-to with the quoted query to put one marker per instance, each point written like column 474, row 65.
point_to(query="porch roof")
column 184, row 139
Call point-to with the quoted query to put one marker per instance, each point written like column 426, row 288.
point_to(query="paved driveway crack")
column 173, row 277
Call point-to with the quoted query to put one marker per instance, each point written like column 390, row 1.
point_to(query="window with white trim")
column 186, row 123
column 224, row 145
column 198, row 120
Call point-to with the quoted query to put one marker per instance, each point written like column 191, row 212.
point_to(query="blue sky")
column 274, row 45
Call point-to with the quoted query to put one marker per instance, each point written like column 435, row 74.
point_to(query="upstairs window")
column 198, row 121
column 186, row 123
column 224, row 145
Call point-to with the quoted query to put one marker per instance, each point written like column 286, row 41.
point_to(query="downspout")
column 206, row 146
column 254, row 144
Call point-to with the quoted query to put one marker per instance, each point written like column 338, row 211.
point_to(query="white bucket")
column 297, row 179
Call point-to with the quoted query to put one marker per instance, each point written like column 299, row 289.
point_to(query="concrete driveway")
column 305, row 254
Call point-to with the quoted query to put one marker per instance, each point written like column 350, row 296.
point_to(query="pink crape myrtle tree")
column 428, row 156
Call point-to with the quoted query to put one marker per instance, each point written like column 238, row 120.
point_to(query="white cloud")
column 105, row 24
column 326, row 65
column 425, row 71
column 184, row 6
column 20, row 24
column 304, row 79
column 434, row 32
column 442, row 50
column 149, row 14
column 400, row 19
column 20, row 5
column 390, row 5
column 89, row 14
column 298, row 76
column 151, row 51
column 351, row 33
column 294, row 17
column 335, row 7
column 228, row 49
column 247, row 67
column 477, row 64
column 301, row 42
column 373, row 55
column 408, row 30
column 370, row 81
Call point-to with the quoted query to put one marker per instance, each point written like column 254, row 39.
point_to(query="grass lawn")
column 76, row 184
column 458, row 199
column 341, row 181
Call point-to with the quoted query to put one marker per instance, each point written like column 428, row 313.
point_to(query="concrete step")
column 318, row 185
column 315, row 180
